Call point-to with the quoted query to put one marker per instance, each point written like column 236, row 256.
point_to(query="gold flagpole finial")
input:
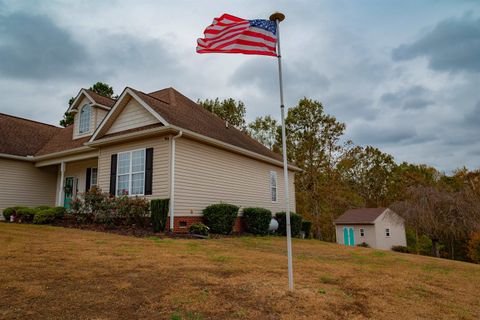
column 277, row 16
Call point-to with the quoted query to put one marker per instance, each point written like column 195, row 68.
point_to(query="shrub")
column 401, row 249
column 8, row 212
column 42, row 208
column 306, row 227
column 474, row 247
column 199, row 228
column 159, row 214
column 220, row 218
column 257, row 220
column 363, row 245
column 59, row 212
column 132, row 210
column 295, row 223
column 25, row 214
column 44, row 216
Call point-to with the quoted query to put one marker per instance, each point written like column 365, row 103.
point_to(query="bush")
column 42, row 208
column 25, row 214
column 159, row 214
column 199, row 228
column 257, row 220
column 474, row 247
column 44, row 216
column 363, row 245
column 401, row 249
column 59, row 212
column 306, row 227
column 8, row 212
column 295, row 223
column 220, row 218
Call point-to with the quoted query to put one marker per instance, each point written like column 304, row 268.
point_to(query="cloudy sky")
column 403, row 75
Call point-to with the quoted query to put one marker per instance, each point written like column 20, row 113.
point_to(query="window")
column 387, row 232
column 273, row 185
column 362, row 232
column 93, row 177
column 131, row 173
column 84, row 125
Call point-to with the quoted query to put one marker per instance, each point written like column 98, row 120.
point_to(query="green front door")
column 352, row 237
column 68, row 191
column 345, row 236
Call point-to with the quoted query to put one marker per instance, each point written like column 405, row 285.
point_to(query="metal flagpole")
column 277, row 17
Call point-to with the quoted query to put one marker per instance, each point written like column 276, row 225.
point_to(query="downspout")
column 172, row 180
column 62, row 181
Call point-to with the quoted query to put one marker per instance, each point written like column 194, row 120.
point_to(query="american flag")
column 230, row 34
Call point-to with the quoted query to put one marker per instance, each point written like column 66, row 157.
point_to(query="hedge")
column 199, row 228
column 295, row 223
column 257, row 220
column 159, row 214
column 44, row 216
column 220, row 218
column 11, row 211
column 25, row 214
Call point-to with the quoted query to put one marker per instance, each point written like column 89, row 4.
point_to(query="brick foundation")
column 181, row 224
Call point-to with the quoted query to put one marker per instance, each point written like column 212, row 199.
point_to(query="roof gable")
column 94, row 98
column 130, row 103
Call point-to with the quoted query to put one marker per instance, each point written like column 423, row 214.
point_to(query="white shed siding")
column 24, row 184
column 133, row 116
column 392, row 221
column 206, row 175
column 161, row 164
column 369, row 238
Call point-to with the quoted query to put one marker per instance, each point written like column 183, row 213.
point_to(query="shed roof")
column 360, row 216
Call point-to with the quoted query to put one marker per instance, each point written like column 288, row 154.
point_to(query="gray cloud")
column 32, row 46
column 452, row 45
column 413, row 98
column 381, row 133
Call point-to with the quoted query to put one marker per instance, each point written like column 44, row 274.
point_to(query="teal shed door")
column 345, row 236
column 352, row 236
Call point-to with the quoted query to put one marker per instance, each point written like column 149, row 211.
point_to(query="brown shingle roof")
column 360, row 216
column 23, row 137
column 108, row 102
column 182, row 112
column 61, row 141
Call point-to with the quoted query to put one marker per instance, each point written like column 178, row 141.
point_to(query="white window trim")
column 387, row 232
column 91, row 177
column 362, row 232
column 274, row 173
column 80, row 119
column 130, row 173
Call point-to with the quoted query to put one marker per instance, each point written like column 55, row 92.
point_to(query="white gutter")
column 62, row 178
column 14, row 157
column 172, row 179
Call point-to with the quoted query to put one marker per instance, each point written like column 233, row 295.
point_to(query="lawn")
column 56, row 273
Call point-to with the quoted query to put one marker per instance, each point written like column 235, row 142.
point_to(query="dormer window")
column 84, row 125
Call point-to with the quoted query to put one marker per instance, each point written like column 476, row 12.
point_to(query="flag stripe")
column 231, row 34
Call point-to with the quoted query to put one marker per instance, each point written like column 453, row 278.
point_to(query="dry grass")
column 56, row 273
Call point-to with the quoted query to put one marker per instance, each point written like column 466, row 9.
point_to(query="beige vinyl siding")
column 205, row 175
column 161, row 163
column 132, row 116
column 24, row 184
column 100, row 114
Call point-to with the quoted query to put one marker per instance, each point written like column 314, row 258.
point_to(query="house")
column 380, row 228
column 158, row 145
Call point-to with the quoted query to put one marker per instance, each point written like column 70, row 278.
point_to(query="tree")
column 264, row 130
column 229, row 110
column 370, row 172
column 101, row 88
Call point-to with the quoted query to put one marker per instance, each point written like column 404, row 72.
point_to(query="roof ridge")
column 35, row 121
column 150, row 96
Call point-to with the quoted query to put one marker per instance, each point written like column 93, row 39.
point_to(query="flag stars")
column 264, row 24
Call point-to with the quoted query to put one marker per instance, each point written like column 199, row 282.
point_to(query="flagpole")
column 278, row 17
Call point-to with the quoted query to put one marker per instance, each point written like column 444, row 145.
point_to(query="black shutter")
column 113, row 174
column 87, row 179
column 148, row 170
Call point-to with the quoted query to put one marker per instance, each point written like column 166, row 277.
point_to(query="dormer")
column 89, row 110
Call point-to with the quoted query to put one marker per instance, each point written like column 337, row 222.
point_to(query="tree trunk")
column 435, row 251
